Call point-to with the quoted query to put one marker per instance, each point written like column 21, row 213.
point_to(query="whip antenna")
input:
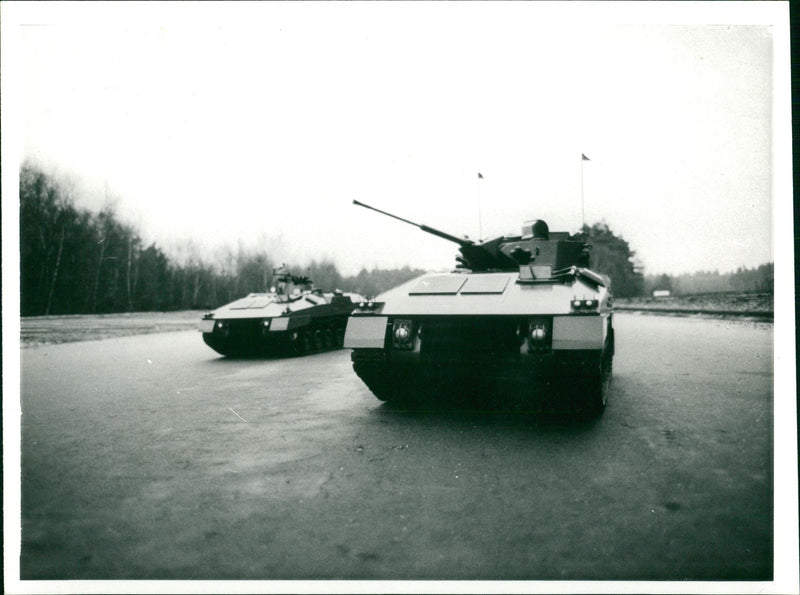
column 583, row 211
column 478, row 190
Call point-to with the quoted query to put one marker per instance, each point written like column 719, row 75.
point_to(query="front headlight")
column 403, row 335
column 538, row 335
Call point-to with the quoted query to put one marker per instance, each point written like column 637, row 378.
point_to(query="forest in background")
column 74, row 261
column 743, row 280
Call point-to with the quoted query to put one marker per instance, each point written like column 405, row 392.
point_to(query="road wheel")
column 328, row 335
column 318, row 340
column 296, row 342
column 308, row 341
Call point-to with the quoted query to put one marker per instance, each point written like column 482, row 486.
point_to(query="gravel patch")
column 748, row 305
column 49, row 330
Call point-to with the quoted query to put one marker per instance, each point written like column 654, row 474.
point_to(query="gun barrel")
column 366, row 206
column 425, row 228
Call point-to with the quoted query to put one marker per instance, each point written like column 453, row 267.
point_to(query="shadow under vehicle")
column 294, row 318
column 520, row 315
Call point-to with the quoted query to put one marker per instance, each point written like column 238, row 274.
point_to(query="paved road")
column 152, row 457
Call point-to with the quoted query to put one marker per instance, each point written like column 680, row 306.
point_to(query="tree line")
column 612, row 256
column 74, row 261
column 744, row 280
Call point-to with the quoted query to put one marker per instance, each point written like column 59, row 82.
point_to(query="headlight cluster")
column 369, row 305
column 538, row 335
column 221, row 328
column 403, row 335
column 265, row 326
column 584, row 305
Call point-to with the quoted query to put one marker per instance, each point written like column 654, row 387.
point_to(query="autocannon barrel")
column 425, row 228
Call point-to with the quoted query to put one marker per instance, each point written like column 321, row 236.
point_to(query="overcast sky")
column 261, row 122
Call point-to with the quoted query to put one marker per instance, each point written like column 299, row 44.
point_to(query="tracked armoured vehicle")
column 294, row 318
column 519, row 313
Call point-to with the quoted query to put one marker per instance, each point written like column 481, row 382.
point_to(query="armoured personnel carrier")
column 520, row 313
column 294, row 318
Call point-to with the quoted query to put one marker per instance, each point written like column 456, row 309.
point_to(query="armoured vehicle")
column 519, row 313
column 294, row 318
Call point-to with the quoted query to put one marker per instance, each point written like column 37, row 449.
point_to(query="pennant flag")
column 480, row 176
column 584, row 157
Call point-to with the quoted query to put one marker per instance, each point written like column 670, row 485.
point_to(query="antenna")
column 583, row 211
column 478, row 191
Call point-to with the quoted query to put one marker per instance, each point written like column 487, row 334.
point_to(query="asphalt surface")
column 151, row 457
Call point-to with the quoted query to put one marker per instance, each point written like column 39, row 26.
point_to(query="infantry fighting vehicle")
column 521, row 313
column 294, row 318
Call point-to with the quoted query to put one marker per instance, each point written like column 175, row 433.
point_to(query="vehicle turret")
column 289, row 287
column 537, row 253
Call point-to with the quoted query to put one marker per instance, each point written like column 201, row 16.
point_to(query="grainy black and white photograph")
column 368, row 297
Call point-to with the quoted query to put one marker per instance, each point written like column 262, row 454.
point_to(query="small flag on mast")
column 583, row 158
column 480, row 176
